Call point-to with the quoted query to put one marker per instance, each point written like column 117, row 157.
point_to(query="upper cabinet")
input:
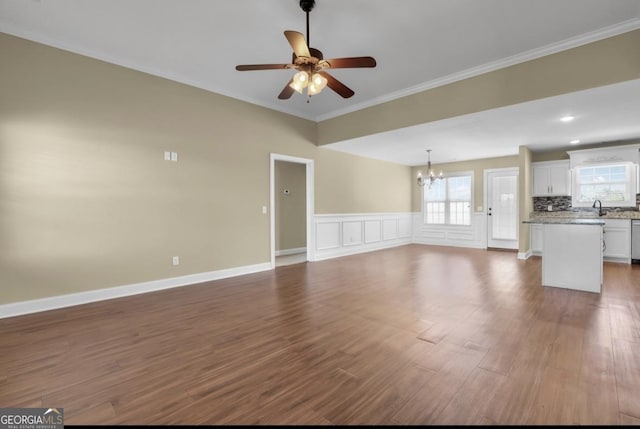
column 551, row 178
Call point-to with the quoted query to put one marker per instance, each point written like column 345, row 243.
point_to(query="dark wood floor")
column 410, row 335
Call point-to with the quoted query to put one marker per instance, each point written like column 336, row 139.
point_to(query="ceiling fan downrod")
column 307, row 6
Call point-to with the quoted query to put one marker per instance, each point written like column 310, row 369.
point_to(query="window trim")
column 469, row 173
column 631, row 182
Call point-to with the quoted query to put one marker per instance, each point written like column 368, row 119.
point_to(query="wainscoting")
column 347, row 234
column 473, row 236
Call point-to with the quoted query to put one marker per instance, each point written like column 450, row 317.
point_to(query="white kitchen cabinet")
column 617, row 240
column 536, row 239
column 551, row 178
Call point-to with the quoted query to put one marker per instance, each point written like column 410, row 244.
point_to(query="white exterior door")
column 502, row 208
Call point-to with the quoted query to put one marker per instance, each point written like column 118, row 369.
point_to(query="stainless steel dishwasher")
column 635, row 241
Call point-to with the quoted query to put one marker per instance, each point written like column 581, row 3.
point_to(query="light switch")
column 176, row 260
column 264, row 209
column 174, row 156
column 167, row 155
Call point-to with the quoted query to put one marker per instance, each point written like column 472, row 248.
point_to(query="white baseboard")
column 61, row 301
column 524, row 255
column 428, row 242
column 339, row 252
column 285, row 252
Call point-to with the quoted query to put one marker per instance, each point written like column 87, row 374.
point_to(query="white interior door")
column 502, row 208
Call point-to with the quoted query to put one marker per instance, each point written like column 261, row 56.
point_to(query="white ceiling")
column 418, row 44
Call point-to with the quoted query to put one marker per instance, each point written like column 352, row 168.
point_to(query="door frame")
column 485, row 190
column 309, row 164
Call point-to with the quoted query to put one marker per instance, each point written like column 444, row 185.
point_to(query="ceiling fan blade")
column 297, row 42
column 287, row 91
column 353, row 62
column 339, row 87
column 247, row 67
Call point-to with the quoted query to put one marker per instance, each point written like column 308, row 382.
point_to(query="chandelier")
column 430, row 178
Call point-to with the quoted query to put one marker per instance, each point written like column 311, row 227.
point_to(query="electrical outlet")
column 176, row 260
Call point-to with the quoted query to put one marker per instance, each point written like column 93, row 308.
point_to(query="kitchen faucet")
column 599, row 207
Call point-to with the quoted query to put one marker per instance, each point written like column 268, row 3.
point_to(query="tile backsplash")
column 540, row 204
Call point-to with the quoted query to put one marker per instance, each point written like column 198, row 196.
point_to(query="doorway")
column 292, row 209
column 501, row 201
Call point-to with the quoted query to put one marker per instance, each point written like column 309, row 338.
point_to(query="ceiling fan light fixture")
column 313, row 89
column 297, row 87
column 319, row 80
column 300, row 81
column 301, row 78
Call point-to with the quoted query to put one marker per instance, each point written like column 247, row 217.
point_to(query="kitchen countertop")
column 627, row 214
column 565, row 221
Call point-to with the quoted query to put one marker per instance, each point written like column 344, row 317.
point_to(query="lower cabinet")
column 536, row 239
column 617, row 240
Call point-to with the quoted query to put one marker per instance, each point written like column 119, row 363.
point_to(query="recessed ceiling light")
column 574, row 142
column 567, row 118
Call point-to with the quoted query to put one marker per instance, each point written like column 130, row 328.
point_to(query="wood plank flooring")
column 410, row 335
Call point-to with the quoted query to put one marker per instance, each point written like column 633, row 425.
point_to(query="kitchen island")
column 572, row 253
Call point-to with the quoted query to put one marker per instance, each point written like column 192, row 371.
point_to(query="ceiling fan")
column 311, row 65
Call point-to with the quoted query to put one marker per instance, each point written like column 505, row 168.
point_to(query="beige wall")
column 291, row 207
column 87, row 201
column 612, row 60
column 525, row 199
column 361, row 185
column 477, row 166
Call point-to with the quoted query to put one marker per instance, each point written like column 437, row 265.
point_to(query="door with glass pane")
column 502, row 209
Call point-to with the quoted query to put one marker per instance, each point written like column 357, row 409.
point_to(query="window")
column 448, row 201
column 611, row 184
